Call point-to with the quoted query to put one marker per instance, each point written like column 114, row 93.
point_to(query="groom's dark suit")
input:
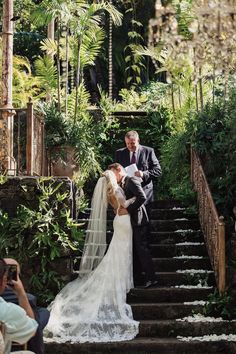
column 139, row 220
column 146, row 162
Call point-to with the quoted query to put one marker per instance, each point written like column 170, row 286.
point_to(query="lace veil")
column 95, row 240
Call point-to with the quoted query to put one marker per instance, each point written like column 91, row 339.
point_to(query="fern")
column 46, row 72
column 91, row 46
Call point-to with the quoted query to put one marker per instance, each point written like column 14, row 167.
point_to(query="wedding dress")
column 93, row 308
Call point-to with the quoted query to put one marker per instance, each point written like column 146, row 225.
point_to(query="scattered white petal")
column 198, row 286
column 180, row 219
column 193, row 271
column 184, row 256
column 190, row 244
column 210, row 338
column 200, row 318
column 186, row 231
column 196, row 302
column 178, row 208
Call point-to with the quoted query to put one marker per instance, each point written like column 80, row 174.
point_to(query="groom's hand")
column 122, row 211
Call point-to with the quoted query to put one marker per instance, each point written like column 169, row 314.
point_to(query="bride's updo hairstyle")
column 111, row 182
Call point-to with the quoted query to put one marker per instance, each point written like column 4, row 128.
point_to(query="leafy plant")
column 221, row 305
column 38, row 237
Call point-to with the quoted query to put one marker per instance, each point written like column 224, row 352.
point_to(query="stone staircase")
column 185, row 280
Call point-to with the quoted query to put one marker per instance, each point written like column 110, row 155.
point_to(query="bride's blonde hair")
column 111, row 182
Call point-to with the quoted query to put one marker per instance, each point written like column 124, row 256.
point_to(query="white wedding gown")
column 94, row 308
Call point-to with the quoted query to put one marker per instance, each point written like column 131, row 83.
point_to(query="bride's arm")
column 121, row 199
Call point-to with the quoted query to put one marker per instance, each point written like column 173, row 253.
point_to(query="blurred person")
column 18, row 320
column 41, row 314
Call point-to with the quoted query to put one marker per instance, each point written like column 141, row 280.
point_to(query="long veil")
column 95, row 239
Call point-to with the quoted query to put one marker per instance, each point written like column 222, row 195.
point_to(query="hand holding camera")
column 13, row 280
column 12, row 274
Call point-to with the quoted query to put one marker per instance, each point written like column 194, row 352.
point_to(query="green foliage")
column 221, row 305
column 46, row 73
column 3, row 178
column 212, row 134
column 36, row 237
column 131, row 100
column 135, row 63
column 87, row 133
column 214, row 137
column 79, row 134
column 175, row 161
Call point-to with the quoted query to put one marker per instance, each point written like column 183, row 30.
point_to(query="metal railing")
column 212, row 225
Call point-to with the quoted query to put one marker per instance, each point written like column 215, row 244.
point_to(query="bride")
column 93, row 307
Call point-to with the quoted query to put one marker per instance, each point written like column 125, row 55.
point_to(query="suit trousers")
column 142, row 260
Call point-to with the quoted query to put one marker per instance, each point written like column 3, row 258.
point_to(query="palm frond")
column 49, row 46
column 91, row 46
column 47, row 72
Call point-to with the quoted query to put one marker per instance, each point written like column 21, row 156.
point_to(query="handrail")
column 212, row 225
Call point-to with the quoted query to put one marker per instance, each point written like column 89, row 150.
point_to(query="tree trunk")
column 50, row 35
column 196, row 96
column 172, row 97
column 77, row 81
column 213, row 83
column 58, row 68
column 110, row 57
column 6, row 123
column 67, row 70
column 201, row 89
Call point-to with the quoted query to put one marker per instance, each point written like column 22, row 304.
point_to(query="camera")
column 12, row 273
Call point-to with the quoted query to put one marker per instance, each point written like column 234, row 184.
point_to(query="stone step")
column 173, row 328
column 172, row 264
column 167, row 214
column 169, row 264
column 174, row 278
column 142, row 345
column 166, row 204
column 171, row 250
column 170, row 237
column 154, row 311
column 159, row 225
column 158, row 214
column 173, row 237
column 173, row 225
column 167, row 294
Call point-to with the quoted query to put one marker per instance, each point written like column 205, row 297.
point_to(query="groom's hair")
column 115, row 165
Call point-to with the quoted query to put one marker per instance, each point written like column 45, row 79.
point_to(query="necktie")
column 133, row 158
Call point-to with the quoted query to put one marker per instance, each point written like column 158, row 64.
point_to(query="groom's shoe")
column 149, row 284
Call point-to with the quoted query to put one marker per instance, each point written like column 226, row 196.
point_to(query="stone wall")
column 23, row 190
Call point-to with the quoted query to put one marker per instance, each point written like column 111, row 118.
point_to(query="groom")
column 139, row 220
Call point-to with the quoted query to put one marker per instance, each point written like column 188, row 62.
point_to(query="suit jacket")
column 132, row 188
column 146, row 162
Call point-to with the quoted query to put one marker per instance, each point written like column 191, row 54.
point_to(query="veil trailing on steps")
column 95, row 240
